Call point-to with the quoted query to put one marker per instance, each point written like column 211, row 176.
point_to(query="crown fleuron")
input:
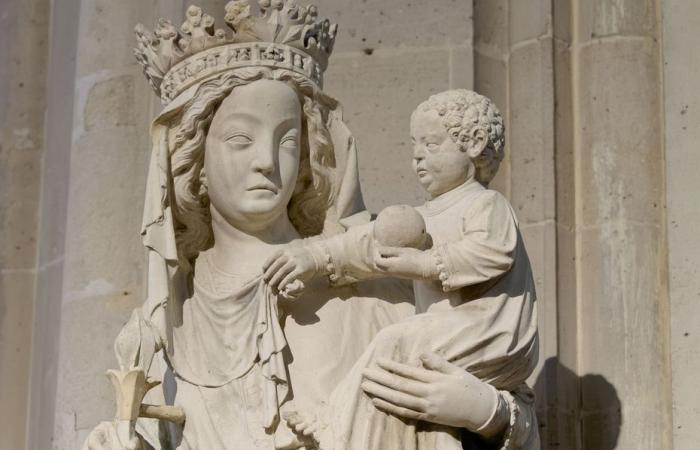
column 284, row 35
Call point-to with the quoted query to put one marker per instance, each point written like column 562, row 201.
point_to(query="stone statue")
column 250, row 157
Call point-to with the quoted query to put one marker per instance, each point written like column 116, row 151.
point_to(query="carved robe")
column 480, row 315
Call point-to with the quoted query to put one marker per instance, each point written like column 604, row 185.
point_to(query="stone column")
column 615, row 129
column 24, row 29
column 612, row 273
column 681, row 40
column 585, row 172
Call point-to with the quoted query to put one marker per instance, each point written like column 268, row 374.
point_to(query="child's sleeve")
column 349, row 256
column 489, row 235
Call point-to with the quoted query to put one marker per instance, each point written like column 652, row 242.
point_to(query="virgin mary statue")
column 248, row 155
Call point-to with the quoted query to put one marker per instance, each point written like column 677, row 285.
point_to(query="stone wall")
column 390, row 56
column 681, row 39
column 592, row 75
column 23, row 51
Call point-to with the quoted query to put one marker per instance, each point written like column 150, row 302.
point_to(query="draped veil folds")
column 170, row 278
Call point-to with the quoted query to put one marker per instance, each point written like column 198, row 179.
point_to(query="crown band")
column 235, row 56
column 283, row 35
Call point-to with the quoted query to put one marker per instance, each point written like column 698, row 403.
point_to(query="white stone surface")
column 682, row 109
column 390, row 55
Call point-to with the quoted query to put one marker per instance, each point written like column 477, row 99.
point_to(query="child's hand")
column 405, row 262
column 289, row 268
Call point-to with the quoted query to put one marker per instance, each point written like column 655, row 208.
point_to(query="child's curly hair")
column 461, row 110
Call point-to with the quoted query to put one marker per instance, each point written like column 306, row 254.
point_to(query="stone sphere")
column 400, row 226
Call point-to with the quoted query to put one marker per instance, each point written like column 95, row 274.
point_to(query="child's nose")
column 418, row 153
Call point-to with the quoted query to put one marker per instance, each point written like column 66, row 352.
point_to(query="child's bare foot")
column 307, row 427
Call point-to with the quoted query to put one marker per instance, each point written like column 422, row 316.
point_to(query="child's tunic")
column 480, row 315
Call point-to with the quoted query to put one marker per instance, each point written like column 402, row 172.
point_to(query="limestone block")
column 621, row 306
column 567, row 315
column 531, row 139
column 20, row 168
column 602, row 429
column 492, row 31
column 106, row 34
column 600, row 18
column 110, row 103
column 16, row 306
column 529, row 19
column 682, row 108
column 540, row 241
column 381, row 126
column 108, row 170
column 461, row 67
column 561, row 16
column 490, row 79
column 564, row 136
column 23, row 30
column 45, row 354
column 375, row 24
column 620, row 133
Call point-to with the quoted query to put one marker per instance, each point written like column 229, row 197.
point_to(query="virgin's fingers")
column 396, row 397
column 411, row 372
column 396, row 382
column 275, row 255
column 398, row 411
column 274, row 266
column 288, row 279
column 281, row 273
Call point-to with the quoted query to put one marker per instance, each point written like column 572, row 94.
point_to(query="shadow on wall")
column 595, row 424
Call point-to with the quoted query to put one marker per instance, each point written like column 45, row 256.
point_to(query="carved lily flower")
column 129, row 388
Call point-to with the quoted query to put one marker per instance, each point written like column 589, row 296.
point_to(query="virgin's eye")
column 239, row 139
column 431, row 146
column 289, row 141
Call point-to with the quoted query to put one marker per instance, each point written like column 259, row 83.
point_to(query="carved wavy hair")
column 462, row 111
column 313, row 193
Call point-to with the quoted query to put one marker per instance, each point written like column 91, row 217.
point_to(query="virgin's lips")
column 264, row 186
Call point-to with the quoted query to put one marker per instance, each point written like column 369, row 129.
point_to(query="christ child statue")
column 472, row 281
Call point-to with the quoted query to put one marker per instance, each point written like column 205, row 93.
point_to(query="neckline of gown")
column 449, row 198
column 206, row 283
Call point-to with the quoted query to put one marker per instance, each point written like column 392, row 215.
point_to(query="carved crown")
column 283, row 35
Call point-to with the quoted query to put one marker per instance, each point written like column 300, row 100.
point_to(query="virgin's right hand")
column 105, row 437
column 290, row 264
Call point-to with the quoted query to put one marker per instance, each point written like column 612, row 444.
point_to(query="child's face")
column 437, row 159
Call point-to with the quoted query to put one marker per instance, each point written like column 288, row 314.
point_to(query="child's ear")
column 477, row 142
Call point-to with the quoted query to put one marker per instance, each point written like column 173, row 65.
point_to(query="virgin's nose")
column 264, row 160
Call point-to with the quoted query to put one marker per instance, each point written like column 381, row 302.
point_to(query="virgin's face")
column 252, row 153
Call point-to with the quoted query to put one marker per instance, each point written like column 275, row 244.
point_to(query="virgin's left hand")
column 405, row 262
column 439, row 392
